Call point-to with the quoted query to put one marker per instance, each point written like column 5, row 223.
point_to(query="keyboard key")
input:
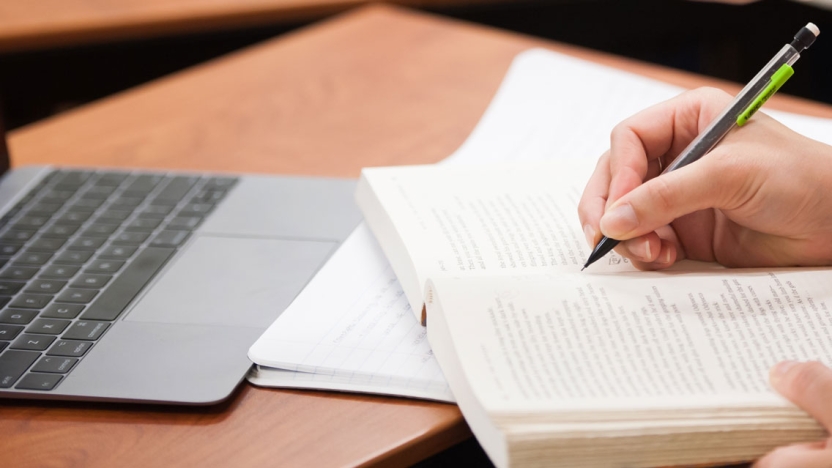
column 83, row 330
column 46, row 209
column 13, row 364
column 77, row 296
column 32, row 342
column 33, row 258
column 48, row 326
column 221, row 182
column 104, row 266
column 86, row 243
column 46, row 245
column 117, row 252
column 100, row 230
column 184, row 223
column 7, row 250
column 208, row 196
column 34, row 381
column 143, row 224
column 8, row 288
column 69, row 348
column 174, row 191
column 91, row 281
column 72, row 178
column 112, row 216
column 58, row 196
column 62, row 231
column 54, row 365
column 73, row 217
column 18, row 272
column 157, row 211
column 86, row 204
column 17, row 316
column 196, row 209
column 45, row 286
column 31, row 301
column 143, row 184
column 17, row 236
column 73, row 257
column 127, row 285
column 64, row 311
column 31, row 221
column 127, row 203
column 111, row 179
column 59, row 271
column 131, row 238
column 3, row 345
column 98, row 192
column 9, row 332
column 169, row 238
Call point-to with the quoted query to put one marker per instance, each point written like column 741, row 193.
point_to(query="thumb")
column 806, row 384
column 661, row 200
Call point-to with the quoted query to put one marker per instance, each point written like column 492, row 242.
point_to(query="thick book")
column 611, row 366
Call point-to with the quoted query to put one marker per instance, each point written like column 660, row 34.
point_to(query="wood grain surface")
column 378, row 86
column 34, row 24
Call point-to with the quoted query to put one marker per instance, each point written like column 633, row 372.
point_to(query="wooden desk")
column 49, row 23
column 376, row 87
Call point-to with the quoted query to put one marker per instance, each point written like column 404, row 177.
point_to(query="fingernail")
column 779, row 370
column 664, row 259
column 642, row 249
column 620, row 220
column 590, row 235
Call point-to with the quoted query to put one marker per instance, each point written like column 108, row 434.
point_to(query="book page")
column 488, row 219
column 634, row 341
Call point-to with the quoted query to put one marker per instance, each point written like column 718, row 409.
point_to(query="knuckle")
column 662, row 195
column 711, row 93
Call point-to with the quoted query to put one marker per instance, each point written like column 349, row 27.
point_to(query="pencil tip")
column 584, row 268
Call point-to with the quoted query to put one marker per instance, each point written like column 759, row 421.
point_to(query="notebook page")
column 272, row 377
column 549, row 106
column 353, row 324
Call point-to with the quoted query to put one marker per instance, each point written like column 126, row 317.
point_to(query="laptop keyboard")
column 75, row 251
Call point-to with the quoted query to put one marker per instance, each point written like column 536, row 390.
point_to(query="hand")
column 809, row 386
column 759, row 198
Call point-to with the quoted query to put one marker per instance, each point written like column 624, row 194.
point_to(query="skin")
column 759, row 199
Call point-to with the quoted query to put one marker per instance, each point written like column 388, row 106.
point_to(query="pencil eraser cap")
column 805, row 37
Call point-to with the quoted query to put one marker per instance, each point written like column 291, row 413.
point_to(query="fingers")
column 661, row 131
column 811, row 455
column 806, row 384
column 649, row 252
column 659, row 201
column 594, row 199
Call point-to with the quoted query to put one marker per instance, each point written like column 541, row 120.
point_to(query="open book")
column 552, row 366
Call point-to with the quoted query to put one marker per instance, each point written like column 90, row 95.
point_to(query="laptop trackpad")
column 231, row 281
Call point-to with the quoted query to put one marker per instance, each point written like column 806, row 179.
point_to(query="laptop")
column 140, row 286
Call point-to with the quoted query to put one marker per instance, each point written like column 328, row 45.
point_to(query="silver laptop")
column 149, row 286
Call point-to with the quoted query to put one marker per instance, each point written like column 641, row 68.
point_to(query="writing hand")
column 759, row 198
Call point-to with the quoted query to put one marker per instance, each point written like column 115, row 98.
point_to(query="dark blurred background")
column 722, row 40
